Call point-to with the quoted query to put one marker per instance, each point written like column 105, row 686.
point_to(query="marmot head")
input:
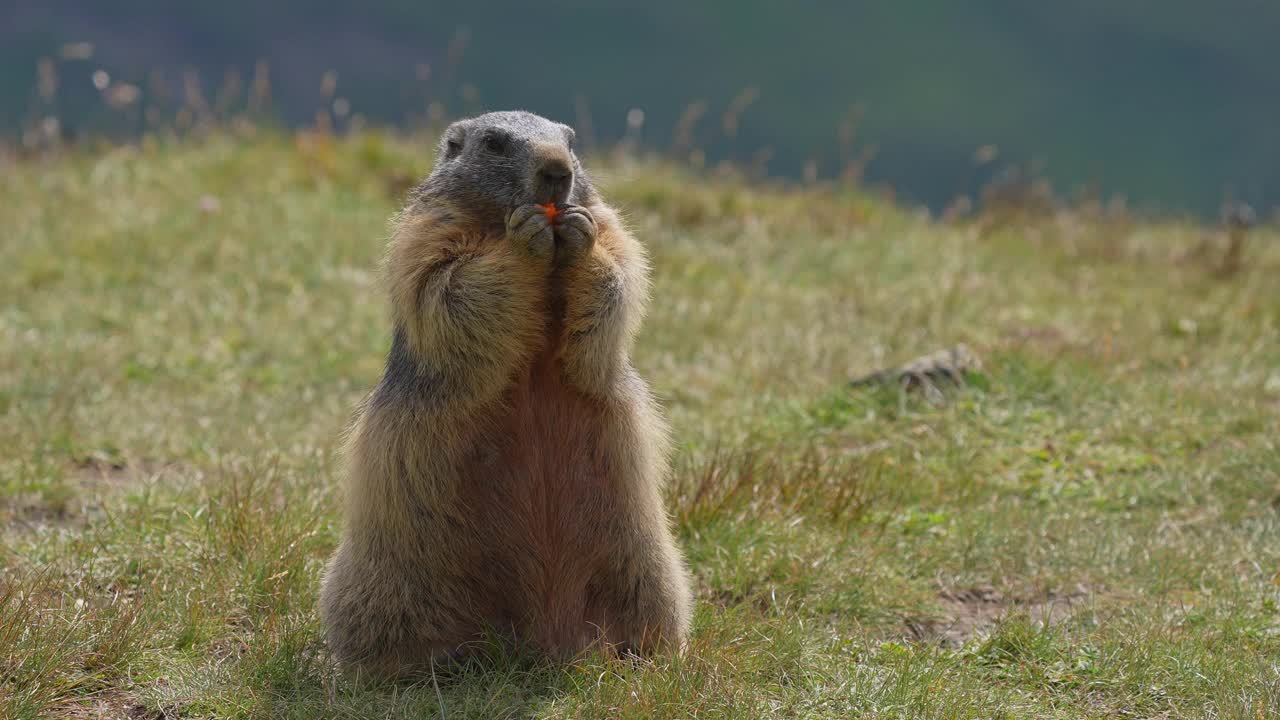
column 490, row 164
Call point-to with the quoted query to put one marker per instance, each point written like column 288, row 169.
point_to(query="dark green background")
column 1169, row 103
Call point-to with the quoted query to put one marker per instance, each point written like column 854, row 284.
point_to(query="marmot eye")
column 495, row 144
column 452, row 148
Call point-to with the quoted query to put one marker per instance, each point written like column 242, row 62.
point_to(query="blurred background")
column 1173, row 106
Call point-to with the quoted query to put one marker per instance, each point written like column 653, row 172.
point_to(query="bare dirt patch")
column 975, row 612
column 105, row 705
column 97, row 469
column 81, row 493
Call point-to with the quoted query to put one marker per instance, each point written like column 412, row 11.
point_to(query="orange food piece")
column 551, row 210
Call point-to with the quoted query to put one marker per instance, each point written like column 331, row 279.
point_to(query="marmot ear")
column 453, row 139
column 569, row 135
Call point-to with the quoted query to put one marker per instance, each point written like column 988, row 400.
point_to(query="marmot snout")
column 553, row 179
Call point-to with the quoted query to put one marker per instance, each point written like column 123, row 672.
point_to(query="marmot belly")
column 550, row 485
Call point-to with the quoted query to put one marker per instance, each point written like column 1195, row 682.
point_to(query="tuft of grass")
column 1085, row 529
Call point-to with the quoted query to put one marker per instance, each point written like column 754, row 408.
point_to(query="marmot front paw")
column 529, row 230
column 575, row 230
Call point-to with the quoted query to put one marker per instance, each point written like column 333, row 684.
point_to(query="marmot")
column 506, row 472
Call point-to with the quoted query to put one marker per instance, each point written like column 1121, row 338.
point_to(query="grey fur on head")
column 493, row 163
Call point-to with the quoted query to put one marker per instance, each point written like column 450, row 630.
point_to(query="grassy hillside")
column 1166, row 102
column 1087, row 529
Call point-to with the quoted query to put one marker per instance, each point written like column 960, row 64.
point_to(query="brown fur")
column 521, row 491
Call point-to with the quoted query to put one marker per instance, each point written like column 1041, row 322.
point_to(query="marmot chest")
column 553, row 431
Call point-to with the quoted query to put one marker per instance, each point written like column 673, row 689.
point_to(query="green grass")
column 1089, row 529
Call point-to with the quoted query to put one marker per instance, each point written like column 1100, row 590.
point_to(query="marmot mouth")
column 547, row 198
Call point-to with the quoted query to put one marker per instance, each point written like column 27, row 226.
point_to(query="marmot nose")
column 555, row 173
